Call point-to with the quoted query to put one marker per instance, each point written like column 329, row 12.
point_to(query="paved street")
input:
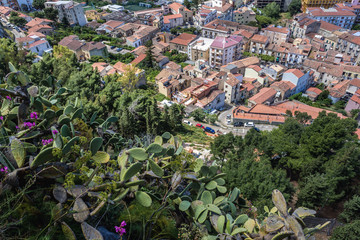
column 223, row 127
column 16, row 33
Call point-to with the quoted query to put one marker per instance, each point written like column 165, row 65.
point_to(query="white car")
column 228, row 121
column 188, row 122
column 249, row 124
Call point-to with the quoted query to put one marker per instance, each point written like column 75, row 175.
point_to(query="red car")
column 199, row 125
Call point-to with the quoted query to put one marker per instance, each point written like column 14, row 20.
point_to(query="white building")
column 113, row 8
column 72, row 11
column 35, row 44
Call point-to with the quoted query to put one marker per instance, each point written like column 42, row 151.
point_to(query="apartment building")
column 182, row 42
column 177, row 8
column 277, row 35
column 321, row 3
column 225, row 50
column 200, row 49
column 244, row 15
column 172, row 21
column 72, row 11
column 349, row 43
column 302, row 81
column 341, row 17
column 300, row 26
column 204, row 16
column 258, row 43
column 223, row 9
column 224, row 28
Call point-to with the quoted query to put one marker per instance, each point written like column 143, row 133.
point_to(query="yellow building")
column 95, row 15
column 321, row 3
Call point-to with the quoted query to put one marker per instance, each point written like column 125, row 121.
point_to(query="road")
column 16, row 34
column 223, row 127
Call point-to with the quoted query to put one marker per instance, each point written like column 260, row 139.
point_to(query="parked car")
column 238, row 124
column 214, row 111
column 199, row 125
column 228, row 121
column 228, row 116
column 209, row 129
column 256, row 129
column 119, row 49
column 249, row 124
column 112, row 47
column 187, row 122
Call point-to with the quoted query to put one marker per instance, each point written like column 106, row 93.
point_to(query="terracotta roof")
column 232, row 80
column 259, row 38
column 24, row 39
column 139, row 59
column 114, row 24
column 37, row 43
column 259, row 117
column 172, row 65
column 255, row 67
column 262, row 96
column 355, row 82
column 38, row 21
column 168, row 17
column 272, row 28
column 248, row 86
column 39, row 27
column 329, row 27
column 355, row 98
column 176, row 6
column 99, row 66
column 314, row 90
column 357, row 132
column 282, row 85
column 243, row 63
column 184, row 39
column 264, row 109
column 89, row 46
column 294, row 106
column 320, row 12
column 139, row 50
column 211, row 97
column 37, row 34
column 296, row 72
column 339, row 89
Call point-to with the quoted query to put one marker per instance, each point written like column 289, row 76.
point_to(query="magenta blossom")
column 8, row 98
column 33, row 115
column 17, row 127
column 120, row 229
column 46, row 141
column 4, row 170
column 1, row 118
column 29, row 124
column 55, row 131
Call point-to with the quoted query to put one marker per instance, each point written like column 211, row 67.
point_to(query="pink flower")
column 1, row 118
column 55, row 131
column 121, row 230
column 46, row 142
column 4, row 169
column 33, row 115
column 8, row 98
column 17, row 127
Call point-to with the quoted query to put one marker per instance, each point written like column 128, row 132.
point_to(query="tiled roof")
column 329, row 27
column 89, row 46
column 272, row 28
column 39, row 27
column 355, row 98
column 172, row 65
column 321, row 12
column 244, row 33
column 262, row 96
column 355, row 82
column 339, row 89
column 314, row 90
column 296, row 72
column 37, row 43
column 232, row 80
column 255, row 67
column 99, row 66
column 264, row 109
column 139, row 59
column 248, row 86
column 24, row 39
column 38, row 21
column 243, row 63
column 184, row 39
column 168, row 17
column 259, row 38
column 114, row 24
column 282, row 85
column 37, row 34
column 176, row 6
column 225, row 42
column 259, row 117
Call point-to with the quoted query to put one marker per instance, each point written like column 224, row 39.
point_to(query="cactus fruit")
column 143, row 198
column 18, row 151
column 138, row 153
column 95, row 145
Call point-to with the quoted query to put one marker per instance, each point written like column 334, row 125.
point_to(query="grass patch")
column 160, row 97
column 195, row 135
column 134, row 8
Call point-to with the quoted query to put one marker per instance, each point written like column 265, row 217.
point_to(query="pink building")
column 354, row 102
column 225, row 50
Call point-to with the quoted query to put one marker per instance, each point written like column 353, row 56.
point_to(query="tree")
column 51, row 13
column 351, row 210
column 16, row 20
column 187, row 4
column 272, row 10
column 349, row 231
column 263, row 21
column 198, row 115
column 355, row 113
column 62, row 52
column 39, row 4
column 148, row 62
column 130, row 78
column 302, row 117
column 256, row 179
column 212, row 118
column 295, row 7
